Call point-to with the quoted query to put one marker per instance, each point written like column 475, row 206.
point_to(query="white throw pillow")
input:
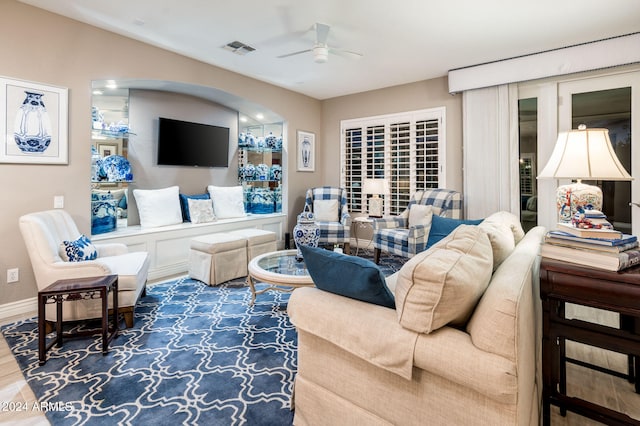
column 228, row 201
column 443, row 284
column 419, row 214
column 158, row 207
column 200, row 211
column 326, row 210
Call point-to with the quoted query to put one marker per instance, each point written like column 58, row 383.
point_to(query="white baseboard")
column 26, row 308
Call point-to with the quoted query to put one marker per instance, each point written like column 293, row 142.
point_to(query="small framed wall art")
column 33, row 123
column 106, row 149
column 306, row 151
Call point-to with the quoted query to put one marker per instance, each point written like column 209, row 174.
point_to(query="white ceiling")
column 402, row 41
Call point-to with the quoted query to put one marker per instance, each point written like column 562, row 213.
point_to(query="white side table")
column 362, row 223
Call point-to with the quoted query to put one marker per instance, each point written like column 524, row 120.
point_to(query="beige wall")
column 43, row 47
column 408, row 97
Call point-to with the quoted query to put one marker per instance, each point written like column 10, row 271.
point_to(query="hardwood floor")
column 613, row 392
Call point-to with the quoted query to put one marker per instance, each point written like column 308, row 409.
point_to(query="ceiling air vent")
column 238, row 47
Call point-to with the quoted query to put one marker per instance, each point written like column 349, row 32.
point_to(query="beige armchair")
column 43, row 232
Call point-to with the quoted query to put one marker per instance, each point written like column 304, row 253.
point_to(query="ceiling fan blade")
column 294, row 53
column 322, row 33
column 346, row 53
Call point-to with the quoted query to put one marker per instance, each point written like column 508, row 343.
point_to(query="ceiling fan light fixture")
column 320, row 54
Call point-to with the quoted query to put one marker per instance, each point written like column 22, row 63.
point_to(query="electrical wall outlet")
column 13, row 275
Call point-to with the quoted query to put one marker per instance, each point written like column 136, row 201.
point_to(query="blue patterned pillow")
column 348, row 276
column 78, row 250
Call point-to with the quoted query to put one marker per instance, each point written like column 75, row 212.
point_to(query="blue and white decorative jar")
column 32, row 125
column 249, row 172
column 279, row 143
column 242, row 139
column 103, row 213
column 260, row 143
column 97, row 171
column 277, row 200
column 270, row 140
column 262, row 172
column 249, row 140
column 261, row 201
column 306, row 232
column 275, row 173
column 247, row 198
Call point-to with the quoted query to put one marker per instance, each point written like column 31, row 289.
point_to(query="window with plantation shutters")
column 407, row 149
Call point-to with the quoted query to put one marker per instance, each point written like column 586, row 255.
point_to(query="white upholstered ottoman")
column 216, row 258
column 259, row 241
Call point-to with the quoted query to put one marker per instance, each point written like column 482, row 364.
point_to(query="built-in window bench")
column 168, row 246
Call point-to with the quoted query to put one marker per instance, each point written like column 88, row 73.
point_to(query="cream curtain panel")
column 491, row 152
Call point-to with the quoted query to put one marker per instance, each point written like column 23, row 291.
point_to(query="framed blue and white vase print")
column 306, row 151
column 33, row 123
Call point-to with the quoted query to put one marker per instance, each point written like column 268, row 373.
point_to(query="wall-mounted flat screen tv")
column 183, row 143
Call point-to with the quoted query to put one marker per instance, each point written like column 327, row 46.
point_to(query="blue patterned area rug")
column 197, row 355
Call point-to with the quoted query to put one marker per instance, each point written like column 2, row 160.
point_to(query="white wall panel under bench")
column 168, row 246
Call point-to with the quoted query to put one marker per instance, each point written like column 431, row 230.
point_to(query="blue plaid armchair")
column 393, row 234
column 331, row 232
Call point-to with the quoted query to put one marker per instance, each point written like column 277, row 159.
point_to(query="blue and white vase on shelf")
column 261, row 201
column 247, row 191
column 32, row 125
column 103, row 213
column 279, row 143
column 306, row 232
column 249, row 140
column 262, row 172
column 277, row 200
column 271, row 140
column 249, row 172
column 275, row 173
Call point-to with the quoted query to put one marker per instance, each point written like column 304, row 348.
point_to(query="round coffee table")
column 280, row 269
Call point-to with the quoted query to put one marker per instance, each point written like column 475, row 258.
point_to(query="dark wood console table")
column 562, row 282
column 77, row 289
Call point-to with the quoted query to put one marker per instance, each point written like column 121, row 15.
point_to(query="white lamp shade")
column 375, row 186
column 584, row 154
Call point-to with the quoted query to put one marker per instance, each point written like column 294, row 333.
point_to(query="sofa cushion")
column 442, row 226
column 228, row 201
column 158, row 207
column 509, row 219
column 348, row 276
column 200, row 211
column 443, row 284
column 184, row 203
column 502, row 240
column 78, row 250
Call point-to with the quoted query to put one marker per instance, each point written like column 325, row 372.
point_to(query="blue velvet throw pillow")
column 78, row 250
column 443, row 226
column 348, row 276
column 184, row 204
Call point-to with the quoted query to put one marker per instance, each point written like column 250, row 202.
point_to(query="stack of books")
column 599, row 246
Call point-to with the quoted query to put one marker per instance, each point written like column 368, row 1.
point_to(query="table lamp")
column 375, row 187
column 582, row 154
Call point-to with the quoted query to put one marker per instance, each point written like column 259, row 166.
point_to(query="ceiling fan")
column 321, row 49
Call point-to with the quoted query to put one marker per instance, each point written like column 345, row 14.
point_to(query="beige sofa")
column 359, row 365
